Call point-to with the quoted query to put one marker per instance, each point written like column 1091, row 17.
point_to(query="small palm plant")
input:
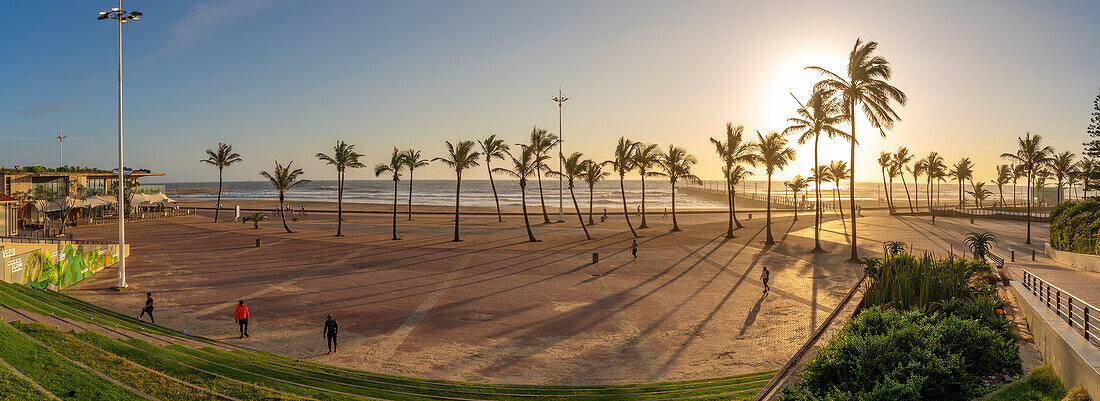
column 980, row 243
column 255, row 218
column 394, row 167
column 593, row 173
column 774, row 154
column 796, row 185
column 676, row 165
column 412, row 162
column 493, row 148
column 284, row 179
column 524, row 165
column 460, row 156
column 572, row 168
column 343, row 157
column 222, row 158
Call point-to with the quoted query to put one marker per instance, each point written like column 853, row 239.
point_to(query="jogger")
column 330, row 331
column 634, row 249
column 241, row 314
column 148, row 309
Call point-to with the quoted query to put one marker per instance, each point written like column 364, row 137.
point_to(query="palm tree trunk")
column 458, row 193
column 626, row 212
column 839, row 204
column 492, row 184
column 768, row 218
column 675, row 226
column 282, row 212
column 907, row 198
column 1029, row 174
column 852, row 189
column 395, row 208
column 410, row 194
column 916, row 191
column 1013, row 192
column 590, row 190
column 795, row 195
column 580, row 218
column 885, row 190
column 733, row 201
column 542, row 199
column 817, row 201
column 729, row 199
column 339, row 202
column 643, row 225
column 526, row 222
column 218, row 206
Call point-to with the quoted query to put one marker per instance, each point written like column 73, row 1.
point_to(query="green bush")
column 887, row 354
column 1041, row 385
column 1074, row 226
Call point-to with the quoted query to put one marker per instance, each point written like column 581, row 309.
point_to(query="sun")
column 789, row 76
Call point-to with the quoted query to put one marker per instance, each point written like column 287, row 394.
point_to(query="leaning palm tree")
column 1004, row 176
column 1062, row 165
column 413, row 160
column 865, row 85
column 394, row 167
column 920, row 166
column 284, row 179
column 934, row 168
column 593, row 173
column 541, row 142
column 646, row 156
column 622, row 164
column 884, row 162
column 222, row 158
column 1031, row 155
column 817, row 116
column 774, row 154
column 676, row 165
column 979, row 193
column 736, row 176
column 838, row 171
column 460, row 156
column 572, row 168
column 493, row 148
column 901, row 162
column 343, row 157
column 524, row 165
column 734, row 151
column 796, row 185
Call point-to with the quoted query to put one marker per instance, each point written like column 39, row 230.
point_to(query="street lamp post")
column 561, row 140
column 61, row 149
column 123, row 16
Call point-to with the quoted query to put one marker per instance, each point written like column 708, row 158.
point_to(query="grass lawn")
column 18, row 388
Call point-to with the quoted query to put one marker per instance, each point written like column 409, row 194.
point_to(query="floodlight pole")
column 61, row 149
column 561, row 210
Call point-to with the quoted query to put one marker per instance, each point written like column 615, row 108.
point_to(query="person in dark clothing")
column 148, row 309
column 241, row 314
column 764, row 276
column 634, row 249
column 330, row 331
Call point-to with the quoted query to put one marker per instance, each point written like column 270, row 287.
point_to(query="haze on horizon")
column 280, row 80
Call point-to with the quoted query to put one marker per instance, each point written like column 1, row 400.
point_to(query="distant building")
column 9, row 214
column 94, row 182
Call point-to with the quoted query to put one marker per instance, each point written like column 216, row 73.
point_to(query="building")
column 95, row 182
column 9, row 214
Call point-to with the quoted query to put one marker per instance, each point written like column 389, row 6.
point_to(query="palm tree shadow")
column 751, row 317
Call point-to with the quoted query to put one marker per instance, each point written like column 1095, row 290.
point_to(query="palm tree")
column 774, row 154
column 941, row 177
column 255, row 218
column 646, row 156
column 593, row 173
column 817, row 116
column 920, row 166
column 1004, row 176
column 572, row 168
column 884, row 159
column 284, row 179
column 396, row 164
column 1086, row 168
column 676, row 165
column 222, row 158
column 1018, row 172
column 735, row 176
column 1031, row 155
column 523, row 167
column 734, row 151
column 901, row 162
column 893, row 171
column 541, row 143
column 493, row 148
column 866, row 85
column 963, row 171
column 1062, row 165
column 838, row 171
column 460, row 156
column 622, row 164
column 796, row 185
column 934, row 168
column 412, row 162
column 979, row 193
column 343, row 157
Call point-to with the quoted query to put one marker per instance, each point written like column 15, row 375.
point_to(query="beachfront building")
column 9, row 213
column 61, row 181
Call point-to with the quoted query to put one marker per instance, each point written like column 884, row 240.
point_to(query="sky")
column 283, row 80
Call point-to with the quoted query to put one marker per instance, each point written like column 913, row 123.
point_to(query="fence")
column 20, row 239
column 1076, row 312
column 990, row 214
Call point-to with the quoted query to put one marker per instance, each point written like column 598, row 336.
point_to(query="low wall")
column 1073, row 259
column 56, row 264
column 1076, row 360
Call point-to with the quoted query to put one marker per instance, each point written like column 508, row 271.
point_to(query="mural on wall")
column 65, row 268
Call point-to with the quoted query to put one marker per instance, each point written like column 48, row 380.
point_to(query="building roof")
column 5, row 198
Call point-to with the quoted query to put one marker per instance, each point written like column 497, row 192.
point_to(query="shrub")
column 1041, row 385
column 1074, row 226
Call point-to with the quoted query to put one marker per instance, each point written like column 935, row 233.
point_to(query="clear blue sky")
column 284, row 80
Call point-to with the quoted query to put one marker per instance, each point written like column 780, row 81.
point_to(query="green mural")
column 70, row 266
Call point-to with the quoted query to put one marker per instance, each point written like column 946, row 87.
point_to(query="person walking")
column 241, row 314
column 666, row 213
column 330, row 330
column 148, row 308
column 634, row 249
column 764, row 276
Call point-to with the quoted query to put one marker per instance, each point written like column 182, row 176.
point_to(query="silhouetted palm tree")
column 817, row 116
column 222, row 158
column 676, row 165
column 1004, row 176
column 919, row 168
column 934, row 168
column 343, row 157
column 1062, row 165
column 884, row 161
column 396, row 164
column 646, row 156
column 460, row 156
column 734, row 151
column 865, row 85
column 493, row 148
column 838, row 171
column 622, row 164
column 523, row 167
column 572, row 168
column 284, row 179
column 1086, row 168
column 979, row 193
column 541, row 143
column 1018, row 171
column 413, row 161
column 1031, row 155
column 797, row 184
column 774, row 154
column 901, row 162
column 593, row 173
column 963, row 170
column 736, row 176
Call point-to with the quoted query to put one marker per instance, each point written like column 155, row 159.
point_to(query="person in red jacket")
column 242, row 318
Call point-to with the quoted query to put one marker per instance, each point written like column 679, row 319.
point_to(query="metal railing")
column 45, row 240
column 990, row 213
column 1075, row 311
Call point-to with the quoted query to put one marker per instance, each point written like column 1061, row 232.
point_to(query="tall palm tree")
column 1004, row 176
column 541, row 142
column 222, row 158
column 735, row 176
column 817, row 116
column 893, row 171
column 920, row 166
column 412, row 162
column 774, row 154
column 343, row 157
column 865, row 85
column 394, row 167
column 284, row 179
column 676, row 165
column 592, row 174
column 493, row 148
column 1018, row 171
column 963, row 171
column 734, row 151
column 884, row 162
column 1031, row 155
column 460, row 156
column 1062, row 165
column 1087, row 168
column 646, row 156
column 524, row 165
column 796, row 185
column 901, row 161
column 622, row 163
column 572, row 168
column 838, row 171
column 934, row 168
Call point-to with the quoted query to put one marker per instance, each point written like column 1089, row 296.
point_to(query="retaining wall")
column 1073, row 259
column 1076, row 360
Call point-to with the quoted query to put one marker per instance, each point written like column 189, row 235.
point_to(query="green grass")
column 18, row 388
column 1041, row 385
